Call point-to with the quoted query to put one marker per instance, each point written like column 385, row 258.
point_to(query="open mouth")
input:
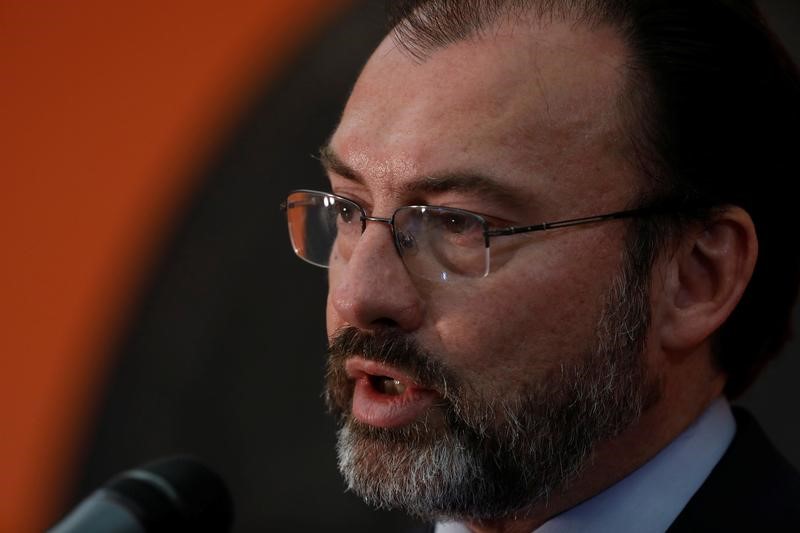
column 384, row 396
column 387, row 385
column 383, row 378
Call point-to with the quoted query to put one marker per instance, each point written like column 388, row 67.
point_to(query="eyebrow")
column 465, row 182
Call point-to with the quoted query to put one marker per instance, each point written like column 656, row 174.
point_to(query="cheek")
column 520, row 322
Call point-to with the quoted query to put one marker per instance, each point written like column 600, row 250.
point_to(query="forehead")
column 532, row 105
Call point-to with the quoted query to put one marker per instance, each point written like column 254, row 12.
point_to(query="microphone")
column 176, row 494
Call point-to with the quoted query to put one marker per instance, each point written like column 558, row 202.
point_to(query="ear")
column 706, row 278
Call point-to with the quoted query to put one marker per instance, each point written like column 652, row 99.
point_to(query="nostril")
column 385, row 322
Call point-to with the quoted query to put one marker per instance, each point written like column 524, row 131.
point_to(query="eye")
column 462, row 229
column 344, row 212
column 456, row 223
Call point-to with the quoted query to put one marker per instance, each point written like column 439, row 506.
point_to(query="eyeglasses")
column 435, row 243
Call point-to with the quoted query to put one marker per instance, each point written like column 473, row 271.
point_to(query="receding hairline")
column 419, row 28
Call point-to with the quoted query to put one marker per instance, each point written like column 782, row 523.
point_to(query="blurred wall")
column 108, row 111
column 150, row 301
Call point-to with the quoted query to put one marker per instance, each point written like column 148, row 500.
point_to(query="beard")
column 486, row 458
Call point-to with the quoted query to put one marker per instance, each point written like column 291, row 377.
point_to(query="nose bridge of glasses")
column 402, row 242
column 383, row 220
column 388, row 221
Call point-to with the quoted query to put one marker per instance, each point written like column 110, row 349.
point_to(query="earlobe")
column 707, row 277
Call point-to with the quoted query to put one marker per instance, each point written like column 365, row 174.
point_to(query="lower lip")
column 387, row 410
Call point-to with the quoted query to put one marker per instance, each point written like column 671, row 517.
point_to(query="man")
column 496, row 372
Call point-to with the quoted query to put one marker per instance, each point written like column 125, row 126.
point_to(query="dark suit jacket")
column 752, row 488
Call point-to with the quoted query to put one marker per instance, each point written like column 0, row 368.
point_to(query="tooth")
column 393, row 386
column 387, row 385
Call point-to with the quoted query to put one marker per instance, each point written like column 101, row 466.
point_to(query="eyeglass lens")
column 435, row 242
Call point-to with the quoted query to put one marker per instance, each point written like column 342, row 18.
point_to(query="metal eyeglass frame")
column 497, row 232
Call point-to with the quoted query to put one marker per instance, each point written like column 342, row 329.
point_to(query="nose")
column 373, row 289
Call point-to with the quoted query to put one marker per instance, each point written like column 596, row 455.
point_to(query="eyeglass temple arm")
column 566, row 223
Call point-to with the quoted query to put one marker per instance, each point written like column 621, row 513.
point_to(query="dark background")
column 224, row 353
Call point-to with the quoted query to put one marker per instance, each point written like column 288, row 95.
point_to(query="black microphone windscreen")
column 201, row 498
column 173, row 495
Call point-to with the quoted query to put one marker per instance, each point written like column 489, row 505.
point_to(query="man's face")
column 500, row 378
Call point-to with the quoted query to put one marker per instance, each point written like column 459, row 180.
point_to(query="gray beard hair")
column 501, row 457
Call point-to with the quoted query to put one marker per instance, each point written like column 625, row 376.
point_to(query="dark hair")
column 713, row 103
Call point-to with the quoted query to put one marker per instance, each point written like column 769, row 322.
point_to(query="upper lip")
column 357, row 367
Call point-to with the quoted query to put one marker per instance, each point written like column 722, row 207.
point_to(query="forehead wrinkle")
column 466, row 182
column 362, row 166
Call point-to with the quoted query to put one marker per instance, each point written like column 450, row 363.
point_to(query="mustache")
column 390, row 347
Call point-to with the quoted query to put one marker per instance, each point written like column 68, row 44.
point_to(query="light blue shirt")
column 650, row 498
